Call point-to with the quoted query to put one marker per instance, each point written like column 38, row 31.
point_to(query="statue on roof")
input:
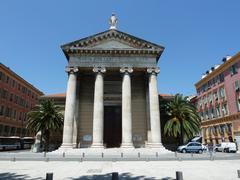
column 113, row 22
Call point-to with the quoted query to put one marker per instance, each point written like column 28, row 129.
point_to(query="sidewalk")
column 165, row 170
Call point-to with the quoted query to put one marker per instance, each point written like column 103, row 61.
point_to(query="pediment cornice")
column 95, row 45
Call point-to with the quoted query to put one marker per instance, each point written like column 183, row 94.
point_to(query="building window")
column 224, row 109
column 212, row 113
column 210, row 98
column 206, row 114
column 221, row 77
column 20, row 116
column 4, row 94
column 222, row 93
column 7, row 111
column 13, row 83
column 1, row 75
column 6, row 130
column 15, row 114
column 11, row 97
column 2, row 111
column 7, row 79
column 237, row 86
column 215, row 94
column 218, row 113
column 233, row 69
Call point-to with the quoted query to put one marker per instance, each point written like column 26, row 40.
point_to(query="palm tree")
column 183, row 118
column 45, row 117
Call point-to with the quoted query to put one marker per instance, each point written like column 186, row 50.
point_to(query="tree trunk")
column 47, row 135
column 181, row 136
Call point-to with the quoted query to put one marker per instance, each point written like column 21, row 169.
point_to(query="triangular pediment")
column 111, row 40
column 112, row 44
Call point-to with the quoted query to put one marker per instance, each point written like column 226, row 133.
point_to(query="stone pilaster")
column 98, row 109
column 155, row 125
column 69, row 107
column 126, row 108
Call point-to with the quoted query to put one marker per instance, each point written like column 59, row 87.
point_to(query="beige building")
column 112, row 97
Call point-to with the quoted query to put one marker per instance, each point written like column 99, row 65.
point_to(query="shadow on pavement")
column 15, row 176
column 123, row 176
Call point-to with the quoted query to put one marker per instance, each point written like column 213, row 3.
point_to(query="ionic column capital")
column 127, row 70
column 153, row 70
column 99, row 69
column 71, row 70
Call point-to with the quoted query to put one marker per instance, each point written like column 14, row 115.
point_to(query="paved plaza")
column 136, row 170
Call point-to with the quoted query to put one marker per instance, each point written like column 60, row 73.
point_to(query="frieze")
column 105, row 61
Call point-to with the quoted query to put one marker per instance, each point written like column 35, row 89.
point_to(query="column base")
column 74, row 145
column 97, row 145
column 127, row 145
column 155, row 145
column 65, row 147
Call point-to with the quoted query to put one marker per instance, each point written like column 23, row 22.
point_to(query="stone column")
column 69, row 107
column 154, row 109
column 126, row 108
column 76, row 117
column 98, row 109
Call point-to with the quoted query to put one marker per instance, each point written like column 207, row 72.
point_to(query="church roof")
column 112, row 42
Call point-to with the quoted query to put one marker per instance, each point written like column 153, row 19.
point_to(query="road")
column 26, row 155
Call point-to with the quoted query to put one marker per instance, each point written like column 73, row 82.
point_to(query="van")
column 226, row 147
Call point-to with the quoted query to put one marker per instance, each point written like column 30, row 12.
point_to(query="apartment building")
column 17, row 98
column 218, row 101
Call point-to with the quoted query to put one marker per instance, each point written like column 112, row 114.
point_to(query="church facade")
column 112, row 97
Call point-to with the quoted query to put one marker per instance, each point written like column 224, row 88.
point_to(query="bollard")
column 45, row 154
column 14, row 159
column 156, row 154
column 238, row 172
column 102, row 155
column 175, row 154
column 49, row 176
column 64, row 154
column 47, row 159
column 83, row 155
column 139, row 155
column 179, row 175
column 115, row 176
column 121, row 154
column 192, row 155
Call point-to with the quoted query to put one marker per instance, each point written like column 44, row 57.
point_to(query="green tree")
column 183, row 119
column 45, row 117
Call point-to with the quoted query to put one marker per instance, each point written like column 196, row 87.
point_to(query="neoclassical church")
column 112, row 97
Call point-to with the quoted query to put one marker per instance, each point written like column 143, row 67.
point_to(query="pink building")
column 218, row 101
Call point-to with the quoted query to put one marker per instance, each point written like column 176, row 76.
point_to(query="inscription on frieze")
column 131, row 61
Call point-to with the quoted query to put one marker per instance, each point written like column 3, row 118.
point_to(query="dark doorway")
column 112, row 126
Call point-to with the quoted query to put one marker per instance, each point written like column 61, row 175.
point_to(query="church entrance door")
column 112, row 126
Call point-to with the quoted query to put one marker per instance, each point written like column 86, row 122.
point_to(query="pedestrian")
column 210, row 148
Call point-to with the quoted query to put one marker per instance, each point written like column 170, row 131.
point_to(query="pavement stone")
column 135, row 170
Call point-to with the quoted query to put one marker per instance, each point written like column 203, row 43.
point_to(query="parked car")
column 226, row 147
column 192, row 147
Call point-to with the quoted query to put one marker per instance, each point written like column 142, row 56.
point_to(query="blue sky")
column 196, row 35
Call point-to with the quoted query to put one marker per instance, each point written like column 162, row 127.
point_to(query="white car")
column 226, row 147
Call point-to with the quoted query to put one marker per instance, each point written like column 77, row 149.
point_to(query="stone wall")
column 86, row 110
column 139, row 115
